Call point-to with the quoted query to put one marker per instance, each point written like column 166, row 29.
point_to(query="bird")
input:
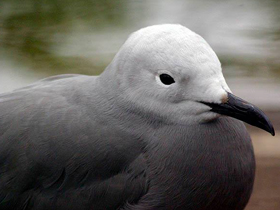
column 159, row 128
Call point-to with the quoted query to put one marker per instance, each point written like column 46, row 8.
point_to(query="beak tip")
column 272, row 132
column 268, row 126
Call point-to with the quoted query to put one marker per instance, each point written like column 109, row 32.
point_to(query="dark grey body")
column 62, row 146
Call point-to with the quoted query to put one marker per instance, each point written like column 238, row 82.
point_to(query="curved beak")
column 238, row 108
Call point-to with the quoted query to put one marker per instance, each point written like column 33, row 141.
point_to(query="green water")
column 39, row 38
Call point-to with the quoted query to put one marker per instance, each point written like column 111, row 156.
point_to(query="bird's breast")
column 210, row 166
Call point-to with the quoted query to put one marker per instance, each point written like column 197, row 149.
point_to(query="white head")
column 139, row 67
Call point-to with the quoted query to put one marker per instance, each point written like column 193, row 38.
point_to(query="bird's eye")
column 166, row 79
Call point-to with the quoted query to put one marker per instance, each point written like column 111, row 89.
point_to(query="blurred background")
column 40, row 38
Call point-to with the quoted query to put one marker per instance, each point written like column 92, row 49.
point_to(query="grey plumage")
column 48, row 146
column 80, row 142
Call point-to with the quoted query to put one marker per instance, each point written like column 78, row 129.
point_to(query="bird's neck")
column 120, row 112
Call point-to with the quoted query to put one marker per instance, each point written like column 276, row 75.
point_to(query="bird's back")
column 56, row 152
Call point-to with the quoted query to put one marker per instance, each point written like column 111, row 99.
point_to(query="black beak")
column 237, row 108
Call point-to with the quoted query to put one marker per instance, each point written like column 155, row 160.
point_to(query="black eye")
column 166, row 79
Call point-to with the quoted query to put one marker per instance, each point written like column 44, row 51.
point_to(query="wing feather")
column 54, row 155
